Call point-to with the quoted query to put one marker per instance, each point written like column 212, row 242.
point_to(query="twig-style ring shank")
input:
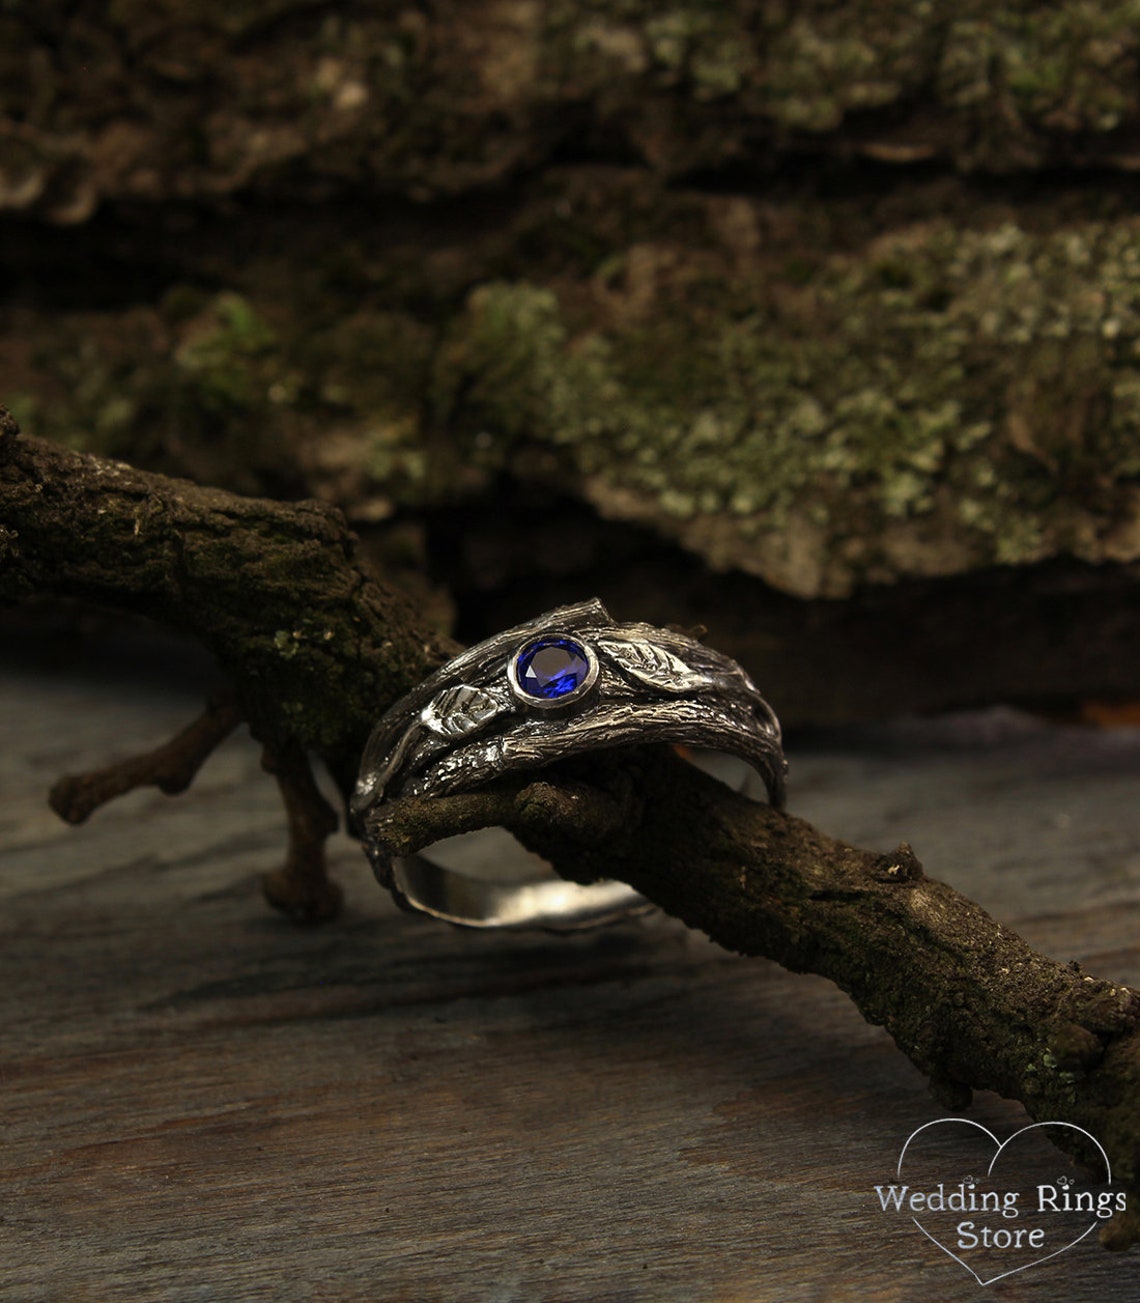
column 567, row 682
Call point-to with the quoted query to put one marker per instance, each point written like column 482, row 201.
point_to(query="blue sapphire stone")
column 551, row 667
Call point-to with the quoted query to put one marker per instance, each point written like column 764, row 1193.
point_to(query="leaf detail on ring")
column 456, row 711
column 654, row 666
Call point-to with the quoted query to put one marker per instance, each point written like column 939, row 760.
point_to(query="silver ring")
column 564, row 683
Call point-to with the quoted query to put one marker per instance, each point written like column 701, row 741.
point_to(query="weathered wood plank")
column 200, row 1101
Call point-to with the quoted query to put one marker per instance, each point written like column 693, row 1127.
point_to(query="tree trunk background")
column 816, row 324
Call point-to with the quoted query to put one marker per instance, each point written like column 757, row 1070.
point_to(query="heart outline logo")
column 999, row 1147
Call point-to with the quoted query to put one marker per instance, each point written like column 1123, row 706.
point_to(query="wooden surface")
column 199, row 1101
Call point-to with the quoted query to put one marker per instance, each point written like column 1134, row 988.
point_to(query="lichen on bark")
column 944, row 400
column 785, row 386
column 121, row 101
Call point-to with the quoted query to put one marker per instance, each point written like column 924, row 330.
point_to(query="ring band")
column 567, row 682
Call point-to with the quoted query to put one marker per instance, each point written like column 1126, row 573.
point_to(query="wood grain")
column 201, row 1101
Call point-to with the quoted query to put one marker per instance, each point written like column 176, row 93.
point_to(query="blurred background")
column 815, row 324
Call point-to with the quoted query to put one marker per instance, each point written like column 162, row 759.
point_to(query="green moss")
column 956, row 392
column 222, row 356
column 1071, row 59
column 509, row 369
column 423, row 101
column 209, row 388
column 982, row 379
column 24, row 407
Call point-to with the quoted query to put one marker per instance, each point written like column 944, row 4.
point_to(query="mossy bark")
column 825, row 394
column 804, row 292
column 166, row 99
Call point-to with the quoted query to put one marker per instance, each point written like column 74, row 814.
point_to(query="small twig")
column 314, row 645
column 170, row 767
column 317, row 647
column 303, row 888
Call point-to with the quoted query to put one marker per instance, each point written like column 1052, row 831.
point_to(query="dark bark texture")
column 816, row 324
column 835, row 298
column 204, row 99
column 964, row 997
column 316, row 648
column 313, row 643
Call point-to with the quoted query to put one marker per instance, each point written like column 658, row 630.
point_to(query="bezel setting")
column 576, row 694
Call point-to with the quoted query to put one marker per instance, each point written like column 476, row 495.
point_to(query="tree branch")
column 967, row 1001
column 171, row 767
column 313, row 643
column 316, row 648
column 302, row 889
